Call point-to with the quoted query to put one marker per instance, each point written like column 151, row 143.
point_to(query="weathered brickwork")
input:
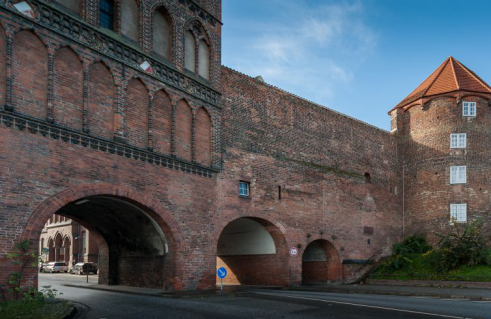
column 150, row 160
column 424, row 147
column 275, row 140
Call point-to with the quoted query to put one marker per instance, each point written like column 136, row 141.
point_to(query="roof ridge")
column 308, row 101
column 443, row 66
column 454, row 73
column 477, row 78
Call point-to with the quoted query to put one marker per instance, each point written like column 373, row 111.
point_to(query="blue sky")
column 357, row 57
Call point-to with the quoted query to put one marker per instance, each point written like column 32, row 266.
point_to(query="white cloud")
column 311, row 50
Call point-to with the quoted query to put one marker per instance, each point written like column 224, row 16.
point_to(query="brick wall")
column 271, row 270
column 30, row 75
column 3, row 65
column 141, row 271
column 101, row 92
column 314, row 272
column 256, row 133
column 68, row 93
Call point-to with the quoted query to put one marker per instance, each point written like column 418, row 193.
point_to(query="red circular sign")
column 293, row 251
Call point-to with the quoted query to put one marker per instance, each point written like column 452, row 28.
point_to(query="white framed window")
column 458, row 213
column 244, row 189
column 458, row 140
column 458, row 174
column 468, row 108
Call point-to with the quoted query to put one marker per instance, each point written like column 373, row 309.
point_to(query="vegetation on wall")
column 462, row 254
column 28, row 302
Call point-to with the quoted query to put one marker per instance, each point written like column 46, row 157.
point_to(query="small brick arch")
column 30, row 65
column 68, row 87
column 106, row 65
column 243, row 269
column 36, row 33
column 315, row 270
column 136, row 112
column 183, row 129
column 70, row 47
column 204, row 137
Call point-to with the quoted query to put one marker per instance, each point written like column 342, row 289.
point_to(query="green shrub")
column 415, row 244
column 467, row 245
column 403, row 254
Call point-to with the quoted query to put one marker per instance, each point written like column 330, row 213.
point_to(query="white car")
column 56, row 267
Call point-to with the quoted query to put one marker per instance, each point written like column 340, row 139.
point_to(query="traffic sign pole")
column 222, row 273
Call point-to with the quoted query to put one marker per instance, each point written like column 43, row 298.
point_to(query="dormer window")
column 106, row 14
column 469, row 109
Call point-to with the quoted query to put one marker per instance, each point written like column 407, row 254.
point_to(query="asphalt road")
column 262, row 304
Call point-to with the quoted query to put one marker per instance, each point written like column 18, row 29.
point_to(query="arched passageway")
column 254, row 252
column 133, row 245
column 136, row 246
column 320, row 263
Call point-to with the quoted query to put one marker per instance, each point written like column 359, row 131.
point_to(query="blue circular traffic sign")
column 222, row 272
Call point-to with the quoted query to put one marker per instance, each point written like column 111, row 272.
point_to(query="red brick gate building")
column 119, row 115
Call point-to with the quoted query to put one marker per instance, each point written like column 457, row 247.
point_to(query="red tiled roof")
column 451, row 76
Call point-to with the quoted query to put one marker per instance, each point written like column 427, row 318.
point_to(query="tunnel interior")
column 253, row 252
column 320, row 263
column 132, row 246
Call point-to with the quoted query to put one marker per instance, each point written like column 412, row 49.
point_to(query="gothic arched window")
column 162, row 39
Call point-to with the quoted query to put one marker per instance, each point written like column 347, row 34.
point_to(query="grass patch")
column 421, row 268
column 34, row 309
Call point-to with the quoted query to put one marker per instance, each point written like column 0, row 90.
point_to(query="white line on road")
column 362, row 305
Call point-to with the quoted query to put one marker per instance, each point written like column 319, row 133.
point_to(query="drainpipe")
column 403, row 202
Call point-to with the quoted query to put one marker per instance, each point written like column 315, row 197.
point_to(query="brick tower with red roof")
column 443, row 131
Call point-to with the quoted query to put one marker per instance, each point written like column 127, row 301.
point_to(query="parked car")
column 59, row 266
column 83, row 268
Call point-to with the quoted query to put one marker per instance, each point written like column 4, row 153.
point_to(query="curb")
column 159, row 295
column 79, row 311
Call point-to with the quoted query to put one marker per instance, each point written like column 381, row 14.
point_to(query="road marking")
column 362, row 305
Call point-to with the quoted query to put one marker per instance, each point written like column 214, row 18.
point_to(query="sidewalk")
column 441, row 292
column 153, row 292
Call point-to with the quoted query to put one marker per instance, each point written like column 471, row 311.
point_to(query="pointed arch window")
column 162, row 39
column 197, row 52
column 204, row 60
column 106, row 14
column 190, row 52
column 129, row 22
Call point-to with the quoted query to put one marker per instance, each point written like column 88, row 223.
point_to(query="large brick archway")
column 162, row 220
